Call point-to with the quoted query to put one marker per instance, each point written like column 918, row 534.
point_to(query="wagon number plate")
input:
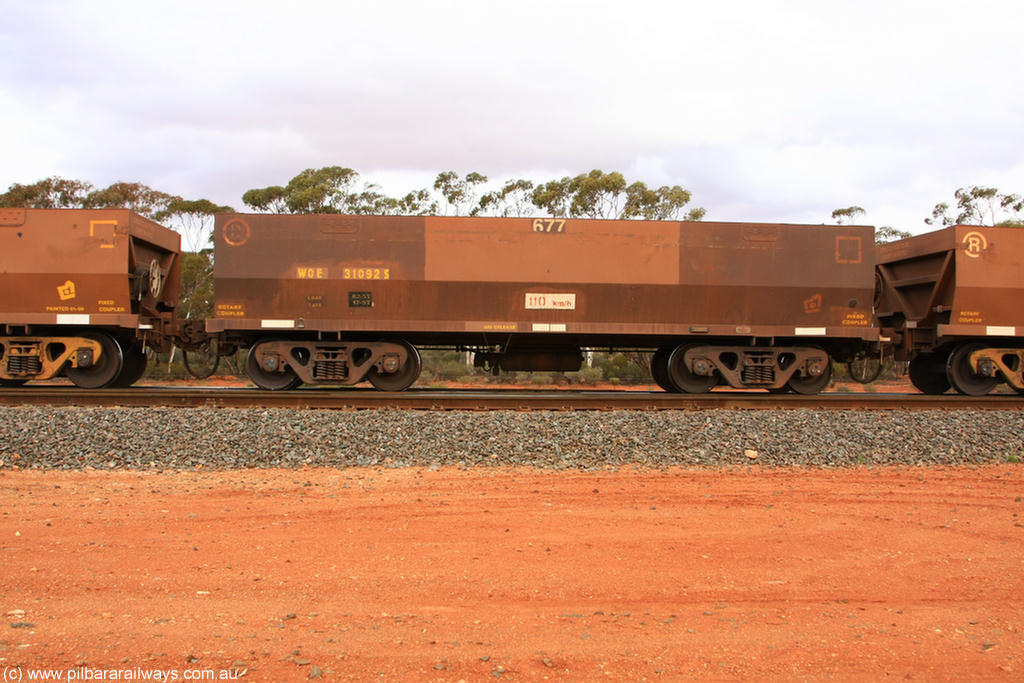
column 548, row 225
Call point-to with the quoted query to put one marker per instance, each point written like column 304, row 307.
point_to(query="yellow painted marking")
column 367, row 273
column 66, row 291
column 93, row 224
column 970, row 318
column 108, row 242
column 230, row 311
column 856, row 320
column 974, row 243
column 549, row 225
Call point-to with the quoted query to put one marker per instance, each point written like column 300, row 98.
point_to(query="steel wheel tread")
column 133, row 368
column 926, row 376
column 401, row 380
column 809, row 386
column 103, row 373
column 271, row 381
column 659, row 369
column 960, row 375
column 683, row 378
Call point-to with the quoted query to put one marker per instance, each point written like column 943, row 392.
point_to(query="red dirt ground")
column 516, row 574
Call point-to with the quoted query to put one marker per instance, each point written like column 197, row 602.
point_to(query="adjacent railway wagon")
column 950, row 301
column 342, row 299
column 82, row 292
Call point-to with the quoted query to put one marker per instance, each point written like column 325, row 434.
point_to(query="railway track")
column 479, row 400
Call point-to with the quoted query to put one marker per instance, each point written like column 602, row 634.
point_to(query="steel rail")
column 481, row 400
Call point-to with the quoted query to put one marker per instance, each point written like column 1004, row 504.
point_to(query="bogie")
column 697, row 368
column 278, row 365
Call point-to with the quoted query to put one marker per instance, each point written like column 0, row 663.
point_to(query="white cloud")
column 765, row 110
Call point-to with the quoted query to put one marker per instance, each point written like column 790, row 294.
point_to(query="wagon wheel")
column 962, row 377
column 928, row 374
column 682, row 377
column 659, row 369
column 403, row 378
column 105, row 369
column 864, row 368
column 271, row 380
column 133, row 366
column 202, row 362
column 811, row 384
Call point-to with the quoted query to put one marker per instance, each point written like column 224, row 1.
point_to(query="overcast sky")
column 766, row 111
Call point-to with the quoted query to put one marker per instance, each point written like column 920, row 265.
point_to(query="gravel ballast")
column 186, row 438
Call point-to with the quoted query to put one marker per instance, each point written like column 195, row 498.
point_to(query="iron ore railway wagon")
column 335, row 299
column 342, row 299
column 950, row 301
column 83, row 292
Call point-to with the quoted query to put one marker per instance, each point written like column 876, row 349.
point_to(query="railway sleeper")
column 38, row 358
column 804, row 369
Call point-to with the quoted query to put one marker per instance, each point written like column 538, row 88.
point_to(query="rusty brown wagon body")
column 82, row 292
column 950, row 300
column 332, row 298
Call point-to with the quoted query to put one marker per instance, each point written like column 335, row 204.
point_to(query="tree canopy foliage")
column 48, row 193
column 979, row 205
column 848, row 215
column 193, row 218
column 335, row 189
column 61, row 193
column 323, row 190
column 886, row 233
column 513, row 200
column 607, row 195
column 460, row 193
column 597, row 194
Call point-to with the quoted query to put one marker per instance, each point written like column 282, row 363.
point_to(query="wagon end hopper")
column 81, row 292
column 950, row 300
column 341, row 298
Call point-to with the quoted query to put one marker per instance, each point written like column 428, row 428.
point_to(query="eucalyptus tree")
column 979, row 205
